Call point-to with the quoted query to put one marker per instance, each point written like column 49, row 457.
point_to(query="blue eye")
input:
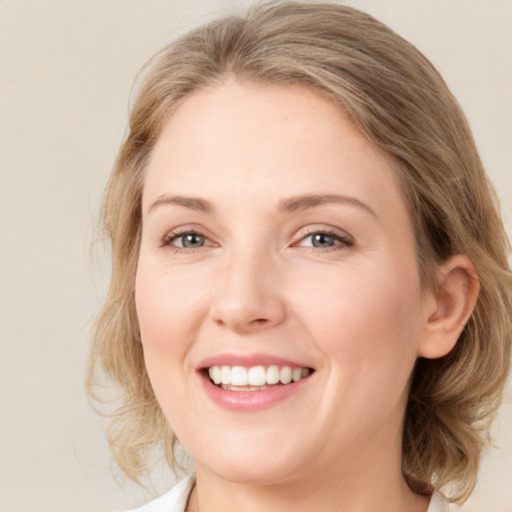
column 189, row 240
column 322, row 240
column 325, row 240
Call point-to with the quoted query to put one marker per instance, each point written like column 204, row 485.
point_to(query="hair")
column 402, row 105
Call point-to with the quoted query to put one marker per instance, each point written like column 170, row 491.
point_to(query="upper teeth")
column 256, row 375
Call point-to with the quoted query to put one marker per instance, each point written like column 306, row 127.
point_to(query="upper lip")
column 248, row 360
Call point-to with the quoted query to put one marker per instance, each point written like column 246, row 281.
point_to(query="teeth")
column 273, row 375
column 239, row 376
column 285, row 375
column 226, row 375
column 256, row 377
column 230, row 387
column 216, row 374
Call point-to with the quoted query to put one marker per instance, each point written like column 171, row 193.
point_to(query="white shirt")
column 176, row 500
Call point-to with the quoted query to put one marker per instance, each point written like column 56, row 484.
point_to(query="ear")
column 448, row 308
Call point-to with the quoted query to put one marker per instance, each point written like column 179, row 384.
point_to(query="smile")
column 252, row 382
column 255, row 378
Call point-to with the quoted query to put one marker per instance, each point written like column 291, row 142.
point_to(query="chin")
column 260, row 474
column 255, row 466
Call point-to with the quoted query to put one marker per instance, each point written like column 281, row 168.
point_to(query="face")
column 277, row 287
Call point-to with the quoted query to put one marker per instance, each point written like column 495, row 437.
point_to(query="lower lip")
column 250, row 400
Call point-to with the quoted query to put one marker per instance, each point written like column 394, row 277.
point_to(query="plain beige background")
column 66, row 69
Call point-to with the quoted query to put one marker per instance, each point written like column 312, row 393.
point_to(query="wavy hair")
column 403, row 106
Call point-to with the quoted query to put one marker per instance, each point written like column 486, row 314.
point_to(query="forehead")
column 268, row 141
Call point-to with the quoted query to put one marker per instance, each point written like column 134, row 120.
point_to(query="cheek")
column 365, row 322
column 170, row 315
column 169, row 311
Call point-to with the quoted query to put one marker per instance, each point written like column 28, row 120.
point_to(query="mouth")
column 254, row 378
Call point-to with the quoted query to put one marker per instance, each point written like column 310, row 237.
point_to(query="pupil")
column 323, row 240
column 192, row 241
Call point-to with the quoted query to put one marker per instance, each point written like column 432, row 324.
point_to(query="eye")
column 325, row 240
column 186, row 240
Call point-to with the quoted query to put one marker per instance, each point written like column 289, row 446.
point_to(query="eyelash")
column 175, row 235
column 342, row 242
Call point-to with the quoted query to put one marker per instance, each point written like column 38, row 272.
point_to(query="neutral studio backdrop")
column 66, row 69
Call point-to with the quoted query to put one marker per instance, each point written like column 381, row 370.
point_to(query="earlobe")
column 450, row 307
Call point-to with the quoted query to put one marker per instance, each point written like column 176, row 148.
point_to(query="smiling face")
column 277, row 247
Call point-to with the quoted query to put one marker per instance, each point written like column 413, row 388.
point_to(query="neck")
column 355, row 487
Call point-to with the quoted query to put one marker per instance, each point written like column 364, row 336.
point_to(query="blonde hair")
column 402, row 105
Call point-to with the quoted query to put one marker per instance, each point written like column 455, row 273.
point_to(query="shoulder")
column 173, row 501
column 438, row 503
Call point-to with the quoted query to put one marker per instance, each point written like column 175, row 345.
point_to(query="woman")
column 310, row 287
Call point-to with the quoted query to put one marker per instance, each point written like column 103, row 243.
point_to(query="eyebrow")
column 194, row 203
column 304, row 202
column 292, row 204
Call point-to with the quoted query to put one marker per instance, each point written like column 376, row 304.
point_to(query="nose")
column 248, row 297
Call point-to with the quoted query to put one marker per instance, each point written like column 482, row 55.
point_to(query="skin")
column 354, row 311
